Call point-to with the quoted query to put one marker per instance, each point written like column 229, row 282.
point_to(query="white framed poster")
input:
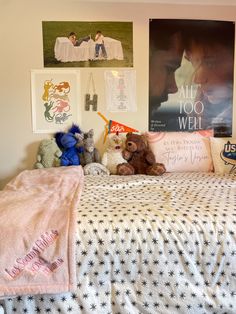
column 55, row 99
column 120, row 90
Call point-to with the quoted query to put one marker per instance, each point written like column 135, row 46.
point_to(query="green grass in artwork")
column 121, row 31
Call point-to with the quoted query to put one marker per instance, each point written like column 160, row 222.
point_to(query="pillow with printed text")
column 224, row 154
column 182, row 151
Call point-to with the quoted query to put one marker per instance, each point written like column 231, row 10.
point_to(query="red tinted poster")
column 191, row 67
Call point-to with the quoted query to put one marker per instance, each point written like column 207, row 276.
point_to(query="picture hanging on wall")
column 191, row 67
column 55, row 99
column 120, row 87
column 87, row 44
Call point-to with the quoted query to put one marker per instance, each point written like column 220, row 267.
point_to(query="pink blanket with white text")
column 37, row 231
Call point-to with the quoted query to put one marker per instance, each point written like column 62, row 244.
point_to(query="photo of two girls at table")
column 99, row 42
column 109, row 41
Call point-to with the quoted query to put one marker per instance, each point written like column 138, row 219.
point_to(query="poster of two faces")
column 191, row 68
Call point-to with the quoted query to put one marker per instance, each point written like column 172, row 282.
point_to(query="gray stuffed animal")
column 90, row 154
column 90, row 159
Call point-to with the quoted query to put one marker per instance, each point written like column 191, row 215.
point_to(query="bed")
column 146, row 244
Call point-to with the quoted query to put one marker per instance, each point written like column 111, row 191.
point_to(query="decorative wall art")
column 87, row 44
column 91, row 98
column 112, row 126
column 120, row 87
column 55, row 99
column 191, row 69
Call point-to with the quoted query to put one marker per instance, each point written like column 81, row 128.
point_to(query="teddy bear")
column 113, row 154
column 48, row 154
column 140, row 159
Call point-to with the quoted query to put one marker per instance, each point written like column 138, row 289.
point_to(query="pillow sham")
column 223, row 154
column 182, row 151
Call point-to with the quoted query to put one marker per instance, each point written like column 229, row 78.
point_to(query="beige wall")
column 21, row 51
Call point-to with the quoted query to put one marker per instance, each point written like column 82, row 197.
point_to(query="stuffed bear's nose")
column 129, row 144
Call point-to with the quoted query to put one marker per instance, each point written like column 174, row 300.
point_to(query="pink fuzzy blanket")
column 37, row 231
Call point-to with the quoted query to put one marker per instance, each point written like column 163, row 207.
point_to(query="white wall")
column 22, row 50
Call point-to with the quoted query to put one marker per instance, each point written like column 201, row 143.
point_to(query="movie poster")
column 191, row 68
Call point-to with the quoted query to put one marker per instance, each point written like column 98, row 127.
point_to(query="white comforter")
column 151, row 245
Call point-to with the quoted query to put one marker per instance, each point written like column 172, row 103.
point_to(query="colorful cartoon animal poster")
column 54, row 100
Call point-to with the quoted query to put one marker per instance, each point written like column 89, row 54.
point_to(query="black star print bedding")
column 150, row 245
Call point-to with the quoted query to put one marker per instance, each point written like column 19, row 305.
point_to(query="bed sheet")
column 151, row 245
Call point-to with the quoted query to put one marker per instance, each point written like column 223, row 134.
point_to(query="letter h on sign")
column 88, row 100
column 91, row 102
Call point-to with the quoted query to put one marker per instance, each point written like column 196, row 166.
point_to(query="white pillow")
column 182, row 151
column 223, row 154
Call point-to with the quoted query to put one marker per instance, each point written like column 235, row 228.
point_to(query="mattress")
column 149, row 244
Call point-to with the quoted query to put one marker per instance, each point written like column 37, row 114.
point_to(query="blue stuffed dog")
column 68, row 144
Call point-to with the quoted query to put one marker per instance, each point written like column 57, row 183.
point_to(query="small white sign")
column 121, row 90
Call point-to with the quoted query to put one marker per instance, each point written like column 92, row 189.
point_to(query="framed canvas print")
column 87, row 44
column 191, row 70
column 55, row 99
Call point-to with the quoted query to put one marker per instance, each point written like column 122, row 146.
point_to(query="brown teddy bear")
column 140, row 159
